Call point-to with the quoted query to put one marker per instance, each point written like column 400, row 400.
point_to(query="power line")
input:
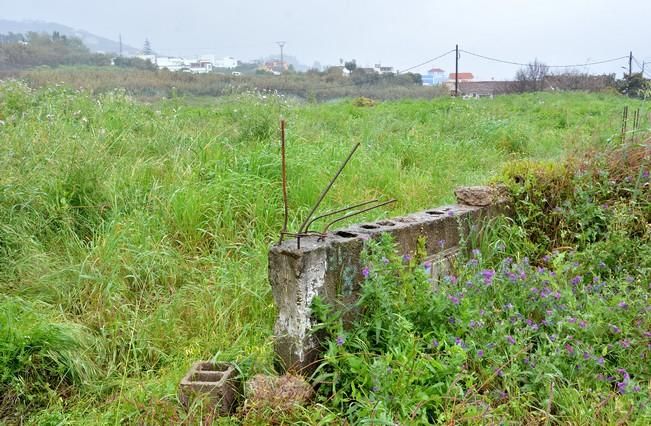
column 550, row 66
column 428, row 61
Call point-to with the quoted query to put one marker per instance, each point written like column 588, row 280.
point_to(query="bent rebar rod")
column 327, row 188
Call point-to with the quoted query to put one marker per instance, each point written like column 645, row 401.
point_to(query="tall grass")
column 147, row 225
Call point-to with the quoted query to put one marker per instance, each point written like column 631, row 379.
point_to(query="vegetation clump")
column 547, row 321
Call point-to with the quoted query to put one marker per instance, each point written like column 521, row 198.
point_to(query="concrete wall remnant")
column 331, row 269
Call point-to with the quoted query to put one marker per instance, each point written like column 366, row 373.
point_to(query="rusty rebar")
column 624, row 122
column 330, row 213
column 327, row 188
column 284, row 178
column 349, row 215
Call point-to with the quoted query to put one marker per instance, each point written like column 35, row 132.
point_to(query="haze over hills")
column 94, row 42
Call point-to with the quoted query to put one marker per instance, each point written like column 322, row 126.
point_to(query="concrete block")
column 331, row 268
column 217, row 383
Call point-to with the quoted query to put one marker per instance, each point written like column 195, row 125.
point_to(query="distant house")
column 171, row 63
column 383, row 70
column 481, row 89
column 463, row 76
column 275, row 67
column 434, row 77
column 227, row 62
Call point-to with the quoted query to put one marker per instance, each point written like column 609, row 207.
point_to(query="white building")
column 227, row 62
column 203, row 64
column 171, row 63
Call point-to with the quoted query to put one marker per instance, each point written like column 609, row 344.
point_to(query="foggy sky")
column 394, row 33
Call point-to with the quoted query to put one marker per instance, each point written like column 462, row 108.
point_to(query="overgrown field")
column 150, row 84
column 133, row 237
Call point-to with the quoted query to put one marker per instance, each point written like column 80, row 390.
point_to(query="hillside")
column 94, row 42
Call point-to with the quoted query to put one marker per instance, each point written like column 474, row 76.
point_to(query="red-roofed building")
column 463, row 76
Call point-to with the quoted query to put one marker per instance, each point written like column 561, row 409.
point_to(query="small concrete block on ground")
column 218, row 384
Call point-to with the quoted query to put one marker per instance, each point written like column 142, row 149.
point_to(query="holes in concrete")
column 369, row 226
column 344, row 234
column 386, row 223
column 435, row 212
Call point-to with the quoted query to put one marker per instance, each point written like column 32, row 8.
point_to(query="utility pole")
column 456, row 71
column 630, row 63
column 120, row 37
column 282, row 59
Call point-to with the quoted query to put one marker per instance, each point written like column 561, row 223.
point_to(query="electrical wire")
column 428, row 61
column 549, row 66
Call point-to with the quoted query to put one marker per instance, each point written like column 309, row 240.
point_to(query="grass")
column 139, row 232
column 522, row 329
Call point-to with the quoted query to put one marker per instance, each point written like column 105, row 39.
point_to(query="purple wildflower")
column 621, row 387
column 442, row 244
column 623, row 305
column 571, row 320
column 340, row 340
column 385, row 260
column 625, row 343
column 583, row 324
column 586, row 356
column 546, row 258
column 365, row 272
column 476, row 252
column 577, row 280
column 510, row 339
column 453, row 299
column 450, row 213
column 600, row 361
column 615, row 329
column 480, row 353
column 435, row 343
column 406, row 257
column 487, row 275
column 569, row 349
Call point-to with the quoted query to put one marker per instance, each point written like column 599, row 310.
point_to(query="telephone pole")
column 630, row 63
column 456, row 71
column 120, row 38
column 281, row 44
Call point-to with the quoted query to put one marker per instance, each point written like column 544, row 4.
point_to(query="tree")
column 635, row 86
column 146, row 50
column 532, row 77
column 350, row 65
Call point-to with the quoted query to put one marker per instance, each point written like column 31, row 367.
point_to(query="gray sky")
column 395, row 33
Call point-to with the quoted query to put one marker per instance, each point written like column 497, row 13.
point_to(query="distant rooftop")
column 462, row 76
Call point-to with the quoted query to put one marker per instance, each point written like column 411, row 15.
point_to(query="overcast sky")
column 395, row 33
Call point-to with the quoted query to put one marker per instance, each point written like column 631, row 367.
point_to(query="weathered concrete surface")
column 331, row 269
column 480, row 196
